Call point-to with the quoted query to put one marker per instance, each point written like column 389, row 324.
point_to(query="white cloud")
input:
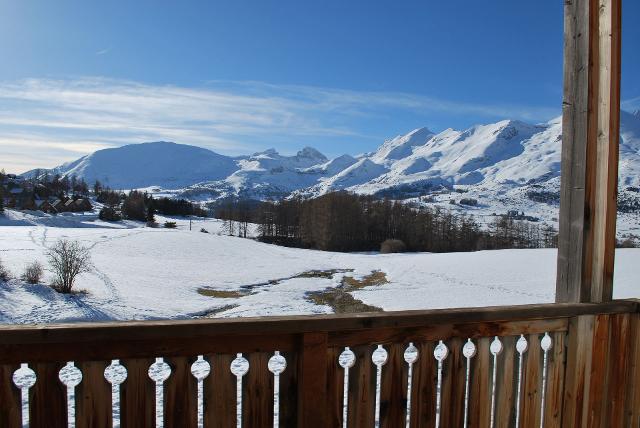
column 72, row 116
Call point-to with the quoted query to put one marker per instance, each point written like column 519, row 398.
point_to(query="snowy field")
column 145, row 273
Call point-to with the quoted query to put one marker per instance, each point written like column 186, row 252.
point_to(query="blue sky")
column 241, row 76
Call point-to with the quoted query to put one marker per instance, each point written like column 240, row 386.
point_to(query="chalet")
column 58, row 205
column 82, row 204
column 46, row 206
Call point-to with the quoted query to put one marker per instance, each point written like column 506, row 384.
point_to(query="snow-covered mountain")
column 162, row 164
column 504, row 161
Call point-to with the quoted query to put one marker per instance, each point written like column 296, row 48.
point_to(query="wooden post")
column 590, row 134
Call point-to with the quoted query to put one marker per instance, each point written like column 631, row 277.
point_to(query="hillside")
column 163, row 164
column 507, row 165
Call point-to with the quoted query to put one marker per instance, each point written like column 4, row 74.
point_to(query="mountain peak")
column 311, row 153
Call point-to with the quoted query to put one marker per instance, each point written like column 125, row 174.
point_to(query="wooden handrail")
column 89, row 341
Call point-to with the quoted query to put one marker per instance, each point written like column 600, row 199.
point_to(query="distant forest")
column 342, row 221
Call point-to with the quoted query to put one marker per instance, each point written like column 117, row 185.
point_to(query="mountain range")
column 503, row 161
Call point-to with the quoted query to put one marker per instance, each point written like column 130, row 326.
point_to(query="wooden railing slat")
column 137, row 402
column 506, row 383
column 289, row 391
column 362, row 386
column 393, row 393
column 453, row 385
column 532, row 383
column 48, row 400
column 312, row 380
column 93, row 397
column 10, row 398
column 181, row 394
column 335, row 385
column 597, row 403
column 423, row 391
column 258, row 393
column 620, row 355
column 632, row 405
column 555, row 381
column 220, row 393
column 480, row 400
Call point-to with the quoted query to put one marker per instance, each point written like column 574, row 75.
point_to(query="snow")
column 163, row 164
column 145, row 273
column 496, row 163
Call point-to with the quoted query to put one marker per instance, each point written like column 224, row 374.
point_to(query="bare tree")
column 68, row 259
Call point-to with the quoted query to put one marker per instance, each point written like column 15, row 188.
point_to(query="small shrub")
column 469, row 201
column 5, row 275
column 203, row 230
column 393, row 246
column 152, row 224
column 33, row 273
column 170, row 225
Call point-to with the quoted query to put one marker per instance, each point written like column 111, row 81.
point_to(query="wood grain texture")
column 480, row 393
column 335, row 388
column 103, row 341
column 555, row 381
column 578, row 368
column 181, row 394
column 48, row 397
column 220, row 393
column 590, row 129
column 289, row 391
column 93, row 396
column 632, row 404
column 506, row 383
column 10, row 398
column 258, row 392
column 532, row 383
column 393, row 393
column 312, row 380
column 423, row 390
column 362, row 387
column 137, row 395
column 453, row 385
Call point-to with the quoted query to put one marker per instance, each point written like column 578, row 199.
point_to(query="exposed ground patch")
column 221, row 294
column 340, row 299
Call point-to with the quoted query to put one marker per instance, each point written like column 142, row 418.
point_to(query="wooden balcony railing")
column 524, row 366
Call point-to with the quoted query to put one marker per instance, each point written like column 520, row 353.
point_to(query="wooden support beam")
column 590, row 134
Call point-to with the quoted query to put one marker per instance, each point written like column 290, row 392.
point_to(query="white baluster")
column 159, row 372
column 440, row 353
column 546, row 344
column 346, row 360
column 70, row 376
column 24, row 378
column 379, row 358
column 200, row 369
column 410, row 356
column 277, row 364
column 521, row 346
column 495, row 349
column 469, row 351
column 115, row 373
column 239, row 367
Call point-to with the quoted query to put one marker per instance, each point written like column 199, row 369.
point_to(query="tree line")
column 342, row 221
column 141, row 206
